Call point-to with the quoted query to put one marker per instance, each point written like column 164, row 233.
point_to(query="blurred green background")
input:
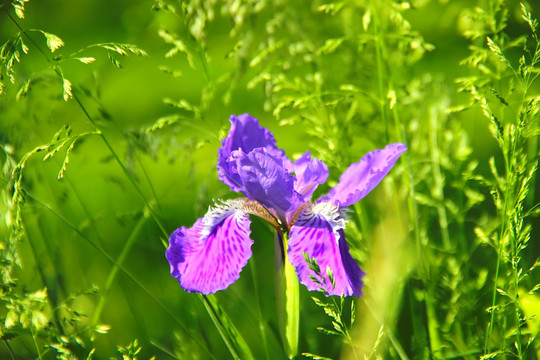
column 319, row 77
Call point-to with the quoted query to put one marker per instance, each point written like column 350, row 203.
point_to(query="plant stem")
column 379, row 47
column 10, row 350
column 438, row 191
column 230, row 335
column 114, row 271
column 288, row 297
column 262, row 323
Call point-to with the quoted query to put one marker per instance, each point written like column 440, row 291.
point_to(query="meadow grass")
column 107, row 147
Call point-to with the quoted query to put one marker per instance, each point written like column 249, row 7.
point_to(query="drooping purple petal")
column 210, row 255
column 318, row 232
column 309, row 174
column 245, row 134
column 361, row 177
column 263, row 178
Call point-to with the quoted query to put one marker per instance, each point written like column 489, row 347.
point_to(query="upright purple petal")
column 264, row 179
column 309, row 173
column 245, row 134
column 210, row 255
column 361, row 177
column 318, row 232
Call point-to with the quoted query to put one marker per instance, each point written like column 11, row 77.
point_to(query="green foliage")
column 131, row 351
column 100, row 164
column 333, row 309
column 508, row 234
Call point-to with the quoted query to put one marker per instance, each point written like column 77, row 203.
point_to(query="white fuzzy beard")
column 219, row 212
column 330, row 213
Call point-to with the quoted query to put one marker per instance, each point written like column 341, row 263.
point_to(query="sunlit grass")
column 95, row 177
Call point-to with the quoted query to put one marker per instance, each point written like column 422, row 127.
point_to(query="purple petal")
column 245, row 134
column 309, row 174
column 210, row 255
column 362, row 177
column 318, row 232
column 263, row 178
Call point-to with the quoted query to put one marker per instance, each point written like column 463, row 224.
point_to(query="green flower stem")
column 288, row 297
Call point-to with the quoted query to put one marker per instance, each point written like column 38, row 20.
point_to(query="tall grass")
column 107, row 148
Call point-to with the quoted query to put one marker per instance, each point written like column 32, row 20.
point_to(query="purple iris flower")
column 210, row 255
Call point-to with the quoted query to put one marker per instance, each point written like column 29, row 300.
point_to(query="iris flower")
column 210, row 255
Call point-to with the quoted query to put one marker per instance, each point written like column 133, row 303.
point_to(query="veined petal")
column 245, row 134
column 309, row 173
column 210, row 255
column 318, row 232
column 264, row 179
column 361, row 177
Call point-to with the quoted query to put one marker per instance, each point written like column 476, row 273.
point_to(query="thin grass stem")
column 235, row 343
column 381, row 61
column 41, row 273
column 40, row 356
column 262, row 324
column 391, row 336
column 114, row 270
column 113, row 261
column 10, row 350
column 438, row 178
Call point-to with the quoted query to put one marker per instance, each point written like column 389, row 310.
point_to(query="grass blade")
column 234, row 341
